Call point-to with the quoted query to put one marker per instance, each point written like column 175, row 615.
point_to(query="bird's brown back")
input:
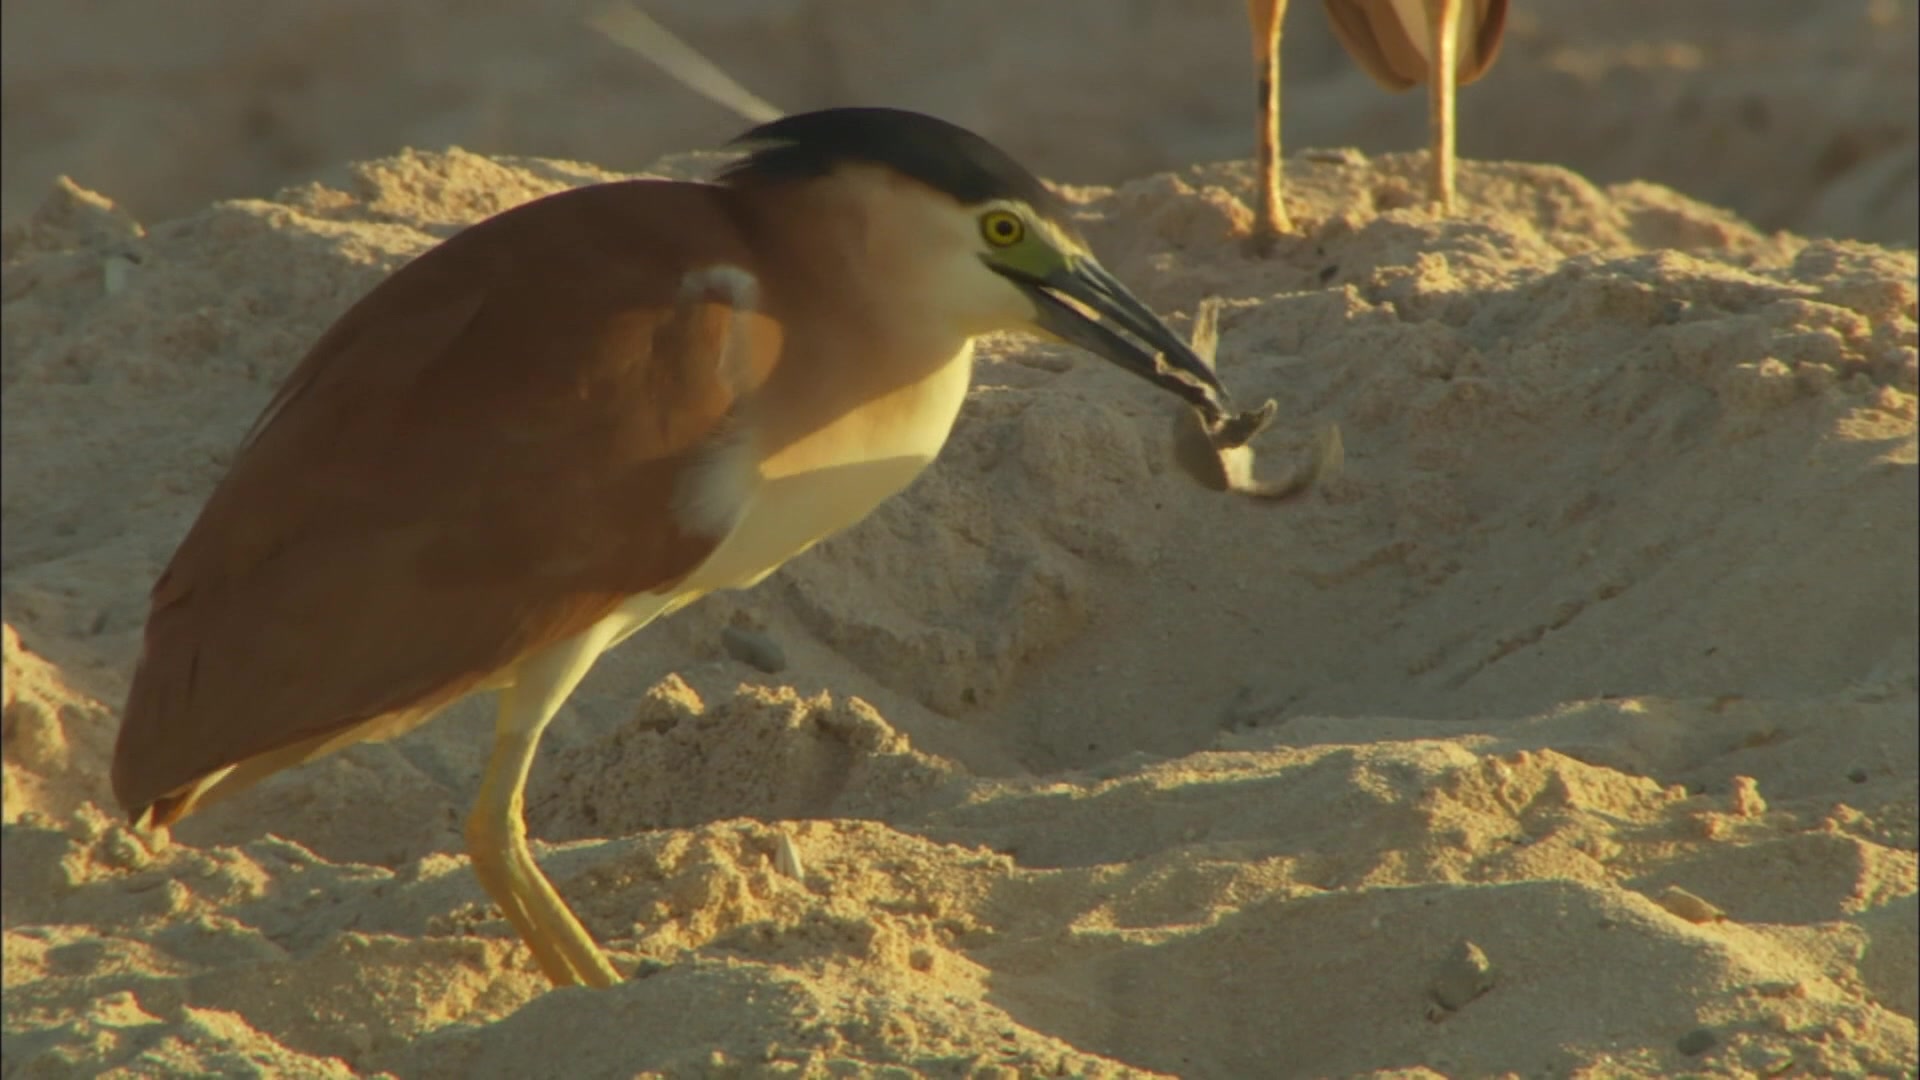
column 477, row 460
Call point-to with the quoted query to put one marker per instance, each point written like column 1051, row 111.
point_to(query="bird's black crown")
column 943, row 156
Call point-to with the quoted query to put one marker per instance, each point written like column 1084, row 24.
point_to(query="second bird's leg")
column 1444, row 25
column 1269, row 212
column 497, row 831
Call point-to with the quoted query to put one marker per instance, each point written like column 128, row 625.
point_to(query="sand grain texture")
column 1570, row 731
column 1092, row 771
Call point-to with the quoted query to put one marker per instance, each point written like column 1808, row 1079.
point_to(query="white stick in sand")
column 630, row 28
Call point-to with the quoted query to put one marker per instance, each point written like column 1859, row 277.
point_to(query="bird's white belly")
column 777, row 514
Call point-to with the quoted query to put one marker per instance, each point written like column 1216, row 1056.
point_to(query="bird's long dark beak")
column 1154, row 352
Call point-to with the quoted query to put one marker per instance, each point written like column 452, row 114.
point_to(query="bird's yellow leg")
column 496, row 829
column 1270, row 212
column 1444, row 23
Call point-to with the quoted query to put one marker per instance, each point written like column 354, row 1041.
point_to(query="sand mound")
column 1574, row 727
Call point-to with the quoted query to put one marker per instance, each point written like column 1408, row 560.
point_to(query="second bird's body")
column 1400, row 44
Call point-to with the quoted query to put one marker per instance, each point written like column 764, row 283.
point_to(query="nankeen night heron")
column 579, row 415
column 1401, row 44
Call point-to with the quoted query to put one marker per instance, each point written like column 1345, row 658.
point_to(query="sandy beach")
column 1570, row 731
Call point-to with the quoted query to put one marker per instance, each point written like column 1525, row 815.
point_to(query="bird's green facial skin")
column 1052, row 267
column 1026, row 243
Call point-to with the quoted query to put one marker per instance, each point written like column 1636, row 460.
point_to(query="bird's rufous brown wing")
column 477, row 460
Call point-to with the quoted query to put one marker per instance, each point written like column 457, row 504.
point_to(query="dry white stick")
column 633, row 29
column 786, row 858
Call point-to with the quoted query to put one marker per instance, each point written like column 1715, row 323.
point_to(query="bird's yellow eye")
column 1002, row 228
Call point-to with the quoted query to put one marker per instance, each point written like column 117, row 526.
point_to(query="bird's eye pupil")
column 1002, row 228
